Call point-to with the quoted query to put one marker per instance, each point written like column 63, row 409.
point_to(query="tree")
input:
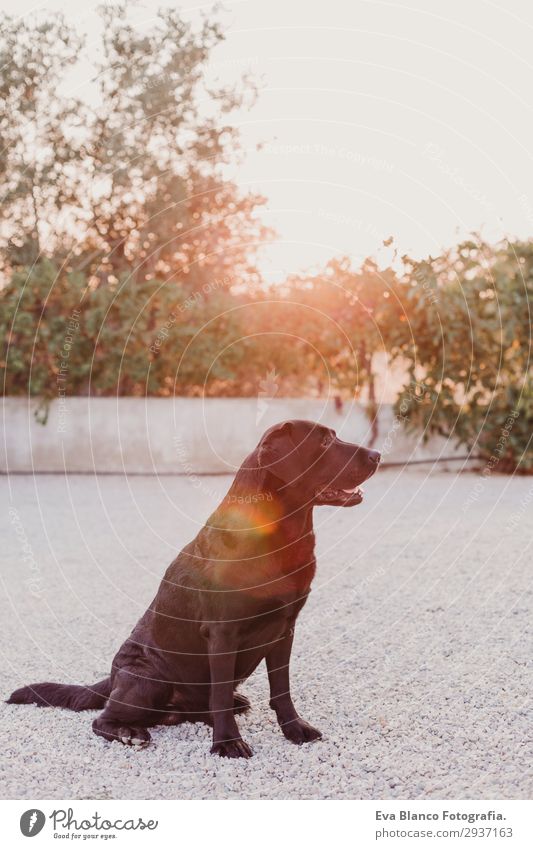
column 158, row 202
column 134, row 186
column 38, row 154
column 130, row 197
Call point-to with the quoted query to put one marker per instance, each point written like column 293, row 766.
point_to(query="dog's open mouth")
column 339, row 497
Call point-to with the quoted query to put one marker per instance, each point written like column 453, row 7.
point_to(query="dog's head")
column 310, row 460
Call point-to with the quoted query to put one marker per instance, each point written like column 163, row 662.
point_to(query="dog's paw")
column 231, row 749
column 299, row 731
column 137, row 738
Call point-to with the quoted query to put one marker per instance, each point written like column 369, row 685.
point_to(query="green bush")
column 466, row 339
column 459, row 324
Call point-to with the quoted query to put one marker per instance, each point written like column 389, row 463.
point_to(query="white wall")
column 178, row 435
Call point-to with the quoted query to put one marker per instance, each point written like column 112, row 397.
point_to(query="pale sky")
column 378, row 118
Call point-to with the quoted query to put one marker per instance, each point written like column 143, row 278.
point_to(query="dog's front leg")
column 295, row 729
column 227, row 741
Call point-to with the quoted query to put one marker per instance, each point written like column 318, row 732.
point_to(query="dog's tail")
column 71, row 696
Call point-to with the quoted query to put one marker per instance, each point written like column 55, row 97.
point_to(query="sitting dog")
column 229, row 600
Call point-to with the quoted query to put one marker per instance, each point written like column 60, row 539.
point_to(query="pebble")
column 418, row 677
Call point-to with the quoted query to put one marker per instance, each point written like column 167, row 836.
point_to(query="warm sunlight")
column 368, row 130
column 266, row 461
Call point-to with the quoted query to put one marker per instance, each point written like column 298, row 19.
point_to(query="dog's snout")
column 374, row 457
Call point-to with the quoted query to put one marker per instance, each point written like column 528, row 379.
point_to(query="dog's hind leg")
column 132, row 705
column 180, row 711
column 240, row 703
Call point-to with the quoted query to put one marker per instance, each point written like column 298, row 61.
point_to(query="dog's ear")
column 279, row 455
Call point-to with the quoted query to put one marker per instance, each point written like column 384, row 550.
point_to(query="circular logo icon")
column 32, row 822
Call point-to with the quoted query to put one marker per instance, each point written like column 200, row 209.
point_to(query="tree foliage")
column 466, row 340
column 134, row 185
column 128, row 264
column 39, row 174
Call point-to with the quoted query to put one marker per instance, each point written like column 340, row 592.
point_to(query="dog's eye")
column 326, row 441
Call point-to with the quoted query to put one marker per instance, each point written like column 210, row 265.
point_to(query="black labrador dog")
column 229, row 600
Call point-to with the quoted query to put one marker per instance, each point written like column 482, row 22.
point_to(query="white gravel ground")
column 413, row 655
